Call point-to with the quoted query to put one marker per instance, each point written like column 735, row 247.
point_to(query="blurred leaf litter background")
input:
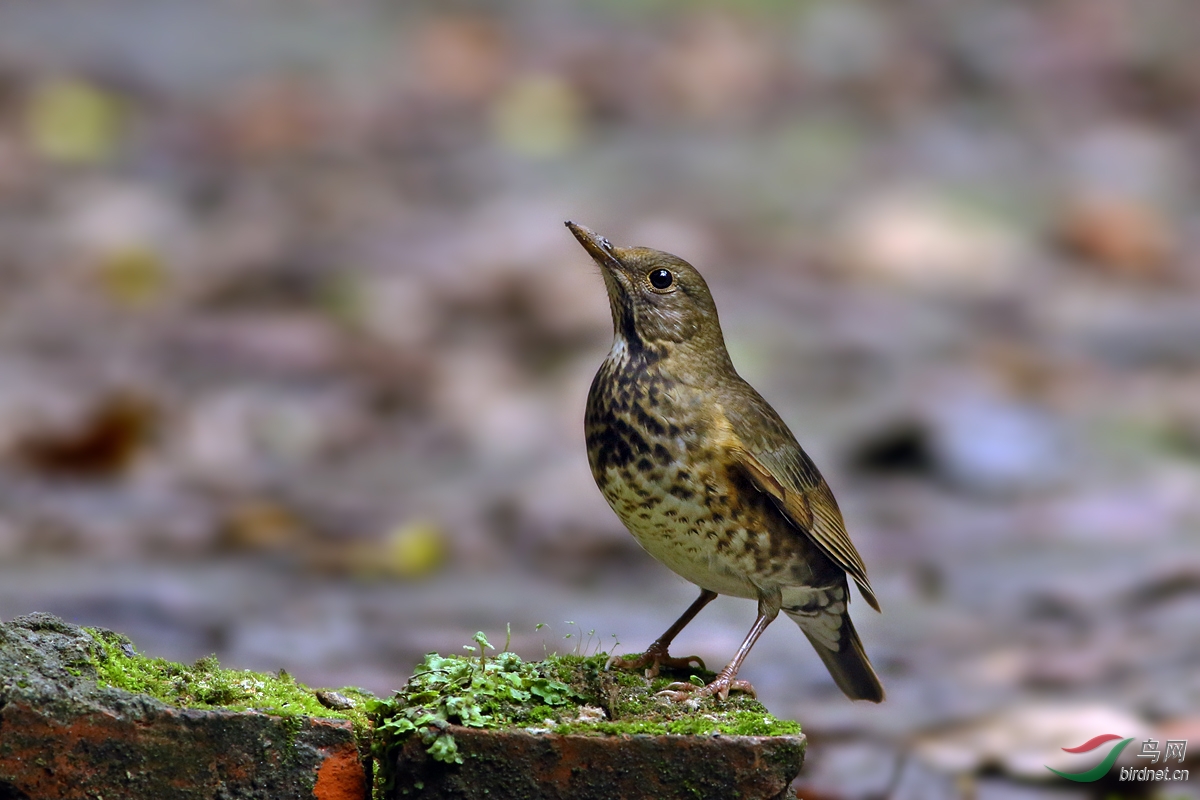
column 294, row 347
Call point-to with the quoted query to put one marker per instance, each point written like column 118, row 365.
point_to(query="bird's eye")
column 661, row 279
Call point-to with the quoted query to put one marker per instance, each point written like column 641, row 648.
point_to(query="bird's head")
column 656, row 298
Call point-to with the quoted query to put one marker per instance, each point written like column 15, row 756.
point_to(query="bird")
column 709, row 480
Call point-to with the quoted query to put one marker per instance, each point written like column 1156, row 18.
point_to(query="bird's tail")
column 833, row 637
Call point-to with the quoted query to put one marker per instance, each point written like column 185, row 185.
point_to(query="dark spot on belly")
column 645, row 465
column 662, row 455
column 609, row 447
column 682, row 492
column 648, row 421
column 630, row 434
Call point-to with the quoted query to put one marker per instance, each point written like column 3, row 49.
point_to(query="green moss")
column 206, row 685
column 728, row 723
column 631, row 705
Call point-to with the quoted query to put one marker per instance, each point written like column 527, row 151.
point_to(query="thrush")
column 708, row 478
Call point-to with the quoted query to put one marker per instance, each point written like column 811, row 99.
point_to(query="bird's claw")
column 654, row 659
column 720, row 688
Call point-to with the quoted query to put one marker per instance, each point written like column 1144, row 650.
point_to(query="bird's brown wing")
column 777, row 466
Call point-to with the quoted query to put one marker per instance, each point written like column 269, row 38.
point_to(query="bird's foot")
column 720, row 688
column 653, row 660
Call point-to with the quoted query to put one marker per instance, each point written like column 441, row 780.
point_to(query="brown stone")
column 514, row 765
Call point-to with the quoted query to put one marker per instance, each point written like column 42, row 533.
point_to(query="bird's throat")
column 624, row 320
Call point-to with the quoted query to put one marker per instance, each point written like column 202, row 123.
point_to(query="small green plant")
column 582, row 645
column 473, row 690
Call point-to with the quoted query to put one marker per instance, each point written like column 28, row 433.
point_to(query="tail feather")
column 848, row 664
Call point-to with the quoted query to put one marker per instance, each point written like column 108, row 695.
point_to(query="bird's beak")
column 599, row 248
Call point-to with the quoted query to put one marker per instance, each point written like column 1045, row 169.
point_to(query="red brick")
column 176, row 753
column 513, row 765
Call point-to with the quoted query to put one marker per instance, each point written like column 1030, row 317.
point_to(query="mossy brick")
column 65, row 735
column 458, row 730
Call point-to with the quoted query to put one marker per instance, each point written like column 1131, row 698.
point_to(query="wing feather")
column 789, row 476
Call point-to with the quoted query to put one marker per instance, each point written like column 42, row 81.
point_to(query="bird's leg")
column 724, row 683
column 656, row 655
